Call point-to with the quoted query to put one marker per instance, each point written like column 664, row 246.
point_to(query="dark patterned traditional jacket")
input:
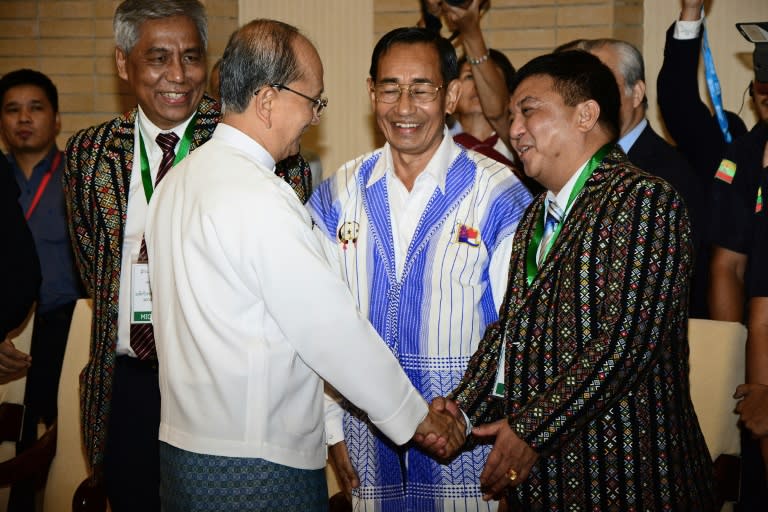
column 96, row 181
column 597, row 354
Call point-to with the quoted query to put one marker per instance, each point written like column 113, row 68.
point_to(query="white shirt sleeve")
column 334, row 418
column 498, row 271
column 687, row 29
column 291, row 272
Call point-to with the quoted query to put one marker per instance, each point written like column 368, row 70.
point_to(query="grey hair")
column 576, row 44
column 631, row 64
column 258, row 54
column 130, row 14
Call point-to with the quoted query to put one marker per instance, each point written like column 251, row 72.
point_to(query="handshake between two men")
column 442, row 434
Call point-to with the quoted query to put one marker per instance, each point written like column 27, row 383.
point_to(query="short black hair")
column 449, row 68
column 30, row 77
column 579, row 76
column 501, row 60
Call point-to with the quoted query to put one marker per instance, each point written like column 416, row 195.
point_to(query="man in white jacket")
column 248, row 314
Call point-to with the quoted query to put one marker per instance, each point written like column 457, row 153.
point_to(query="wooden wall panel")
column 342, row 31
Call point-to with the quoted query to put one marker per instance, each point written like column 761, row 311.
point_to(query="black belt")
column 136, row 363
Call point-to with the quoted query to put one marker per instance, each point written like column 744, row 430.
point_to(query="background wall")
column 342, row 31
column 523, row 29
column 71, row 40
column 731, row 52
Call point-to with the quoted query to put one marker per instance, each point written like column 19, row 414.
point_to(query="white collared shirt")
column 561, row 199
column 136, row 215
column 628, row 140
column 406, row 208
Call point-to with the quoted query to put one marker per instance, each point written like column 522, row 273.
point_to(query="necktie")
column 142, row 335
column 554, row 216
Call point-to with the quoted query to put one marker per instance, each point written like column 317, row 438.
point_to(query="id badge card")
column 498, row 386
column 141, row 295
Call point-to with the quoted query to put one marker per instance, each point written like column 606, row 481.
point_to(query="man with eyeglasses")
column 422, row 230
column 251, row 315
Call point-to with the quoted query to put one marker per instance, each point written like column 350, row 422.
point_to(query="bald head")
column 260, row 53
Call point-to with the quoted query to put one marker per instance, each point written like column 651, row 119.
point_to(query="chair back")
column 13, row 393
column 69, row 467
column 717, row 367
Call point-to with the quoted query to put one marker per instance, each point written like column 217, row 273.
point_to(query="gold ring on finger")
column 511, row 474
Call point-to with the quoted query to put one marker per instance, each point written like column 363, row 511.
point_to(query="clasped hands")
column 441, row 434
column 508, row 464
column 443, row 431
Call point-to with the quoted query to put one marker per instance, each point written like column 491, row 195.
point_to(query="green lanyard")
column 530, row 265
column 186, row 142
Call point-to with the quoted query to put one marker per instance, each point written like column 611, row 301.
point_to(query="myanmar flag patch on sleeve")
column 726, row 171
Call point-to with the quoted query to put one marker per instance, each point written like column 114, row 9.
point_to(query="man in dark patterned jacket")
column 590, row 408
column 111, row 169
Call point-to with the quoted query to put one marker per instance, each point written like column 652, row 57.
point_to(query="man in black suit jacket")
column 19, row 273
column 647, row 150
column 688, row 119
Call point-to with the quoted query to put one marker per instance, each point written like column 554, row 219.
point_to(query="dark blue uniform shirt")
column 48, row 224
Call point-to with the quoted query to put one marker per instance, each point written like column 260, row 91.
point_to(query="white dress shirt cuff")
column 687, row 29
column 401, row 426
column 468, row 428
column 334, row 421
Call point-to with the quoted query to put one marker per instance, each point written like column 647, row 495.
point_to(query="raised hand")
column 345, row 473
column 508, row 464
column 433, row 7
column 440, row 434
column 753, row 408
column 463, row 18
column 691, row 10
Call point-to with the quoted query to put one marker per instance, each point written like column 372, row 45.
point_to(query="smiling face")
column 545, row 132
column 412, row 129
column 165, row 69
column 27, row 121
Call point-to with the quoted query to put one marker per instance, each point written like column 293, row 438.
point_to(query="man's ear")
column 452, row 95
column 263, row 104
column 121, row 59
column 369, row 83
column 57, row 123
column 638, row 93
column 587, row 112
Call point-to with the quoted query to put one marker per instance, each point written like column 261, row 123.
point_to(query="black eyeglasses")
column 319, row 104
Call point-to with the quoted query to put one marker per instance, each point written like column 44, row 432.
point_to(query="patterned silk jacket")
column 596, row 359
column 96, row 180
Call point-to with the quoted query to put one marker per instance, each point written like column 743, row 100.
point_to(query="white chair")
column 13, row 392
column 69, row 467
column 717, row 367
